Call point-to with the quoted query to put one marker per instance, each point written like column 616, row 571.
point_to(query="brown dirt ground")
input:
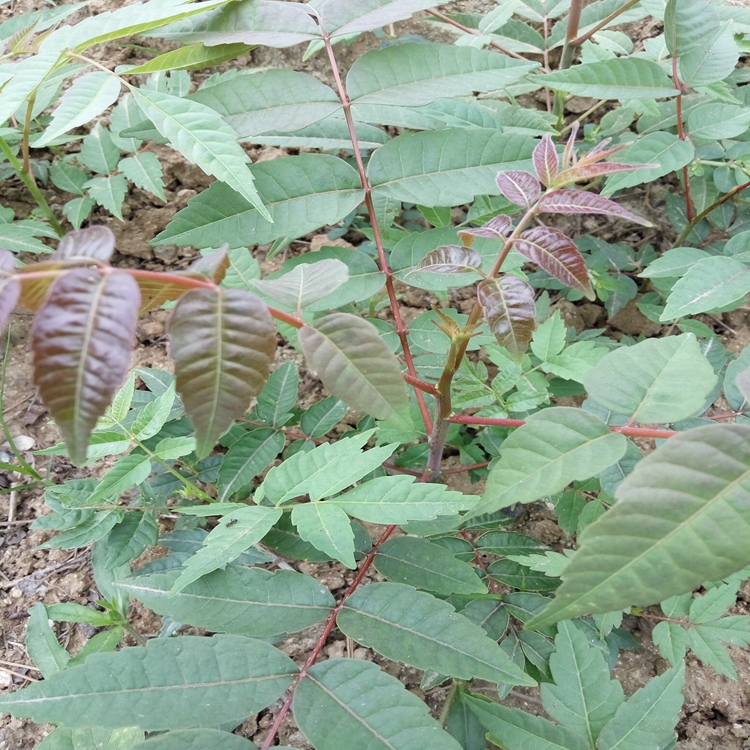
column 715, row 715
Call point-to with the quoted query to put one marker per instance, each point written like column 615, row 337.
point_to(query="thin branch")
column 611, row 17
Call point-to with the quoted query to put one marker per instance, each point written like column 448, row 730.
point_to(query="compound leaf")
column 658, row 540
column 414, row 627
column 420, row 563
column 171, row 683
column 355, row 364
column 658, row 380
column 237, row 530
column 553, row 448
column 144, row 171
column 620, row 78
column 413, row 75
column 248, row 601
column 399, row 499
column 671, row 640
column 301, row 193
column 364, row 707
column 219, row 375
column 82, row 339
column 203, row 138
column 508, row 307
column 446, row 167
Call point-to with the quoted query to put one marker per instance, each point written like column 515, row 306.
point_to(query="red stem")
column 401, row 329
column 645, row 432
column 681, row 133
column 461, row 469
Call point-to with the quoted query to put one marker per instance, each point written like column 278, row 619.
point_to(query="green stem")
column 32, row 187
column 448, row 703
column 574, row 20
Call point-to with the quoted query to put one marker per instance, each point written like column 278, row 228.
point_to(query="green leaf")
column 171, row 683
column 671, row 639
column 82, row 338
column 219, row 375
column 135, row 533
column 86, row 99
column 108, row 192
column 327, row 528
column 305, row 283
column 619, row 78
column 662, row 152
column 104, row 641
column 364, row 707
column 714, row 603
column 301, row 193
column 144, row 170
column 323, row 471
column 658, row 380
column 710, row 651
column 713, row 282
column 716, row 121
column 98, row 152
column 236, row 531
column 506, row 543
column 553, row 448
column 128, row 472
column 446, row 167
column 67, row 177
column 78, row 210
column 340, row 17
column 197, row 739
column 412, row 75
column 90, row 531
column 321, row 417
column 583, row 697
column 247, row 458
column 192, row 57
column 647, row 720
column 518, row 730
column 72, row 612
column 248, row 601
column 279, row 395
column 42, row 644
column 152, row 417
column 399, row 499
column 275, row 100
column 203, row 138
column 674, row 263
column 92, row 738
column 331, row 134
column 407, row 625
column 425, row 565
column 356, row 365
column 125, row 115
column 658, row 539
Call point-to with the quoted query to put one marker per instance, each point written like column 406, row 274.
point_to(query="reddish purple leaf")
column 223, row 342
column 10, row 289
column 581, row 202
column 213, row 266
column 34, row 290
column 451, row 259
column 553, row 251
column 96, row 242
column 569, row 152
column 545, row 160
column 496, row 228
column 521, row 188
column 82, row 339
column 583, row 171
column 508, row 307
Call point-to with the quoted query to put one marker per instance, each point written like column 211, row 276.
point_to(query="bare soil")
column 715, row 715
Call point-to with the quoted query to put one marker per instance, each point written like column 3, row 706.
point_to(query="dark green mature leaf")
column 237, row 531
column 301, row 193
column 322, row 417
column 399, row 499
column 340, row 17
column 446, row 167
column 355, row 364
column 196, row 739
column 414, row 627
column 658, row 380
column 92, row 738
column 278, row 100
column 279, row 395
column 553, row 448
column 412, row 75
column 620, row 78
column 42, row 644
column 191, row 57
column 130, row 537
column 327, row 528
column 219, row 375
column 144, row 170
column 647, row 719
column 583, row 697
column 363, row 707
column 247, row 458
column 712, row 282
column 171, row 683
column 420, row 563
column 508, row 307
column 248, row 601
column 82, row 338
column 202, row 137
column 10, row 289
column 517, row 730
column 658, row 540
